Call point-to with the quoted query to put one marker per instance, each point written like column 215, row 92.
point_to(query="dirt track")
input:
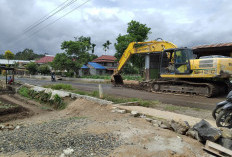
column 180, row 100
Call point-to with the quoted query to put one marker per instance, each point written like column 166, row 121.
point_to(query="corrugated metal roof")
column 84, row 67
column 213, row 45
column 5, row 61
column 105, row 58
column 96, row 65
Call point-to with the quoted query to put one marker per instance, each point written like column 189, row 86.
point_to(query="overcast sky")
column 183, row 22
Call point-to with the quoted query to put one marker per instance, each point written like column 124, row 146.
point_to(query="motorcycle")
column 219, row 106
column 223, row 112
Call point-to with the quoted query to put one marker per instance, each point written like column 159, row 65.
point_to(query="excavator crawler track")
column 187, row 87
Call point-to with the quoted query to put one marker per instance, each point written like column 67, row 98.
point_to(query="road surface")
column 179, row 100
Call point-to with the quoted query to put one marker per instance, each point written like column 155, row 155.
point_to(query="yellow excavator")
column 180, row 71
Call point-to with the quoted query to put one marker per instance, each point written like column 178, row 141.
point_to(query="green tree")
column 136, row 32
column 27, row 54
column 44, row 69
column 32, row 68
column 62, row 62
column 8, row 55
column 76, row 54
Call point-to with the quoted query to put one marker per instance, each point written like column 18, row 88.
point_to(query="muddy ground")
column 90, row 130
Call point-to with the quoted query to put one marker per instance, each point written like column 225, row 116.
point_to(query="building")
column 103, row 65
column 46, row 59
column 109, row 62
column 92, row 69
column 223, row 49
column 20, row 65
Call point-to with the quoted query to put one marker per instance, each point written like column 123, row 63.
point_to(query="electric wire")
column 44, row 16
column 62, row 8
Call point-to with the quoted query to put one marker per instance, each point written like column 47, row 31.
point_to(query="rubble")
column 135, row 113
column 225, row 142
column 226, row 133
column 121, row 111
column 206, row 131
column 180, row 127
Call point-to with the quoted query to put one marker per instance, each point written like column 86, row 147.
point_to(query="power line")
column 59, row 18
column 44, row 16
column 62, row 8
column 47, row 17
column 53, row 21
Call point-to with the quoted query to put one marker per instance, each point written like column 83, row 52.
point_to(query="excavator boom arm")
column 147, row 47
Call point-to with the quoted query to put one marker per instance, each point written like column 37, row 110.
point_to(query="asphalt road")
column 180, row 100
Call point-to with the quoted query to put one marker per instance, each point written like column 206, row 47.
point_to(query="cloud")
column 183, row 22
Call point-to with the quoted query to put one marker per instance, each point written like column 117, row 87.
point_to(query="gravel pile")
column 53, row 137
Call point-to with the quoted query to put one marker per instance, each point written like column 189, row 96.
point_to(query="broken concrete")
column 227, row 143
column 121, row 111
column 180, row 127
column 206, row 131
column 226, row 133
column 135, row 113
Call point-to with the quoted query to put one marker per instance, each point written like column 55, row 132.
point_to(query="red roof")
column 213, row 45
column 45, row 59
column 105, row 58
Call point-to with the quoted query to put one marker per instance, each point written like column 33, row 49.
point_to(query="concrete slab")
column 165, row 114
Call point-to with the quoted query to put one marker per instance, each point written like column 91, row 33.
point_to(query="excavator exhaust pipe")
column 117, row 79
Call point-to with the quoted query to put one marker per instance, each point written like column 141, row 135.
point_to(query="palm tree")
column 93, row 45
column 106, row 46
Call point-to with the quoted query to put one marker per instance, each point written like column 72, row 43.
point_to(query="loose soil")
column 11, row 111
column 96, row 127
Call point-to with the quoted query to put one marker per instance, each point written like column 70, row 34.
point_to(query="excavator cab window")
column 176, row 61
column 182, row 65
column 167, row 62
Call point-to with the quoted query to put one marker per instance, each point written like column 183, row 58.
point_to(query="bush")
column 44, row 69
column 58, row 102
column 24, row 91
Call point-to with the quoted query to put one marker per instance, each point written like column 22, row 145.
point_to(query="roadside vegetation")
column 108, row 77
column 55, row 102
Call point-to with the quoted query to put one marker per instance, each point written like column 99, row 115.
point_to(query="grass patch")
column 108, row 77
column 59, row 86
column 173, row 108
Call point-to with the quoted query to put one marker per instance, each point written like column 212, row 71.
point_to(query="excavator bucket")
column 118, row 79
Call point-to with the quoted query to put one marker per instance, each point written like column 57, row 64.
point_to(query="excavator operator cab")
column 176, row 61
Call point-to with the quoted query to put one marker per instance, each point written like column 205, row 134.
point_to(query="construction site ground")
column 193, row 101
column 90, row 129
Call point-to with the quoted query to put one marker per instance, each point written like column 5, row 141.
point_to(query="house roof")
column 84, row 67
column 213, row 45
column 96, row 65
column 5, row 61
column 105, row 58
column 45, row 59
